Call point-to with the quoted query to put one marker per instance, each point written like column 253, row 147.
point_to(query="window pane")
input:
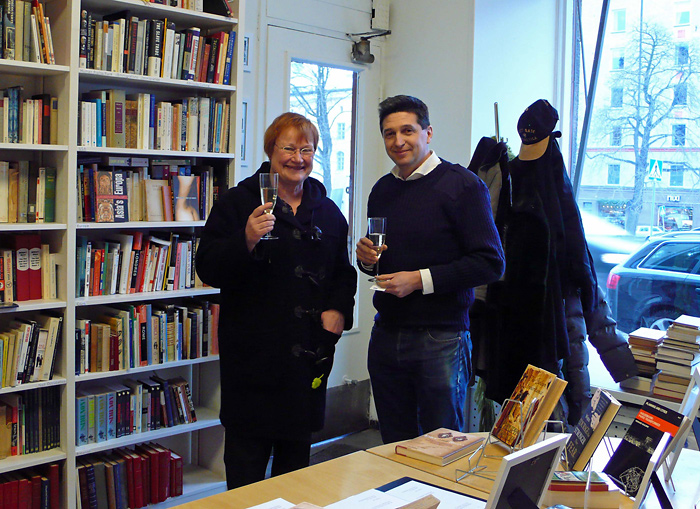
column 683, row 18
column 682, row 54
column 676, row 179
column 618, row 59
column 680, row 94
column 616, row 136
column 613, row 174
column 616, row 98
column 676, row 257
column 619, row 20
column 679, row 135
column 326, row 95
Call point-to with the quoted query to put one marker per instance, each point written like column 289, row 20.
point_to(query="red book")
column 54, row 488
column 143, row 264
column 138, row 480
column 136, row 255
column 28, row 266
column 163, row 472
column 113, row 350
column 175, row 474
column 82, row 478
column 145, row 476
column 11, row 493
column 24, row 493
column 154, row 471
column 214, row 332
column 35, row 482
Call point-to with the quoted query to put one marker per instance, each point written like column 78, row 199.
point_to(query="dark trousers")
column 419, row 379
column 246, row 458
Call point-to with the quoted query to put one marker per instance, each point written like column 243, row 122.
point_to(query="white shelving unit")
column 199, row 443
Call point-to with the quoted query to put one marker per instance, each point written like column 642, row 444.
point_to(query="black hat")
column 534, row 127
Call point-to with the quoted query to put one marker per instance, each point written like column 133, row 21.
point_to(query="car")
column 657, row 283
column 643, row 231
column 608, row 243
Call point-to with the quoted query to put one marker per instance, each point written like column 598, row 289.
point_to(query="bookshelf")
column 199, row 443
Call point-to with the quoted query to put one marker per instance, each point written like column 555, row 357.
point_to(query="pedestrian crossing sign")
column 655, row 169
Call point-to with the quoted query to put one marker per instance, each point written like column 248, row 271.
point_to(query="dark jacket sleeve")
column 222, row 253
column 611, row 343
column 341, row 290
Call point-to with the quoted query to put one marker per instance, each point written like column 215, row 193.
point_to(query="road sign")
column 655, row 169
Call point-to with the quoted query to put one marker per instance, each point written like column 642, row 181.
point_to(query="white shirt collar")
column 428, row 165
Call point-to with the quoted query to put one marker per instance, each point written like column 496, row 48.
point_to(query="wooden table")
column 325, row 483
column 686, row 476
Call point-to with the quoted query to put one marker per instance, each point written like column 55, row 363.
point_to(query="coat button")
column 296, row 234
column 299, row 271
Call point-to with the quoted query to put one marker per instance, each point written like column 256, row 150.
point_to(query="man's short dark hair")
column 404, row 103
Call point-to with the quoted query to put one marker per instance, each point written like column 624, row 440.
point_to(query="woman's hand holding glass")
column 259, row 224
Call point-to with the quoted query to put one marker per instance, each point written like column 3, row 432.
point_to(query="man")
column 440, row 243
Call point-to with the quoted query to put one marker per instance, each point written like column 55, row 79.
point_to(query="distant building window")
column 588, row 206
column 614, row 174
column 341, row 161
column 616, row 136
column 683, row 18
column 678, row 138
column 676, row 175
column 619, row 20
column 341, row 130
column 681, row 54
column 680, row 94
column 618, row 56
column 616, row 98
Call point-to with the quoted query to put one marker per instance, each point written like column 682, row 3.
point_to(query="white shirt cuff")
column 366, row 267
column 427, row 280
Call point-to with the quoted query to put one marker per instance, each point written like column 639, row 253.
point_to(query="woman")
column 285, row 303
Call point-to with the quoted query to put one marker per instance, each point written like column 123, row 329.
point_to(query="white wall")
column 520, row 49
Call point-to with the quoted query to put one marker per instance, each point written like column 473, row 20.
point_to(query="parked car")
column 657, row 283
column 608, row 243
column 643, row 231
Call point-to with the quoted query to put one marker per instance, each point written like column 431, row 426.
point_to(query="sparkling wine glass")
column 376, row 230
column 268, row 193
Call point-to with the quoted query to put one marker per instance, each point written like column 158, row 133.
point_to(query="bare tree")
column 653, row 88
column 311, row 89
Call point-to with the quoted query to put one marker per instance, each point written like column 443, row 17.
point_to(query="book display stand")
column 480, row 469
column 689, row 408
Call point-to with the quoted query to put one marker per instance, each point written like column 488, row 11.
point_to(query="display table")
column 686, row 476
column 325, row 483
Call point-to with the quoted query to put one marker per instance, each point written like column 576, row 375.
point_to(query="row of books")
column 134, row 263
column 28, row 349
column 28, row 270
column 123, row 43
column 28, row 120
column 27, row 194
column 117, row 195
column 129, row 478
column 130, row 336
column 26, row 32
column 133, row 406
column 30, row 421
column 31, row 488
column 666, row 359
column 112, row 118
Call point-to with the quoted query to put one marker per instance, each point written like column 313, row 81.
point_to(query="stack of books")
column 644, row 343
column 677, row 357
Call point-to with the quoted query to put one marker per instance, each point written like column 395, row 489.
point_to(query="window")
column 616, row 136
column 683, row 18
column 680, row 94
column 618, row 59
column 619, row 20
column 676, row 175
column 340, row 161
column 678, row 138
column 310, row 84
column 674, row 256
column 616, row 98
column 681, row 54
column 614, row 174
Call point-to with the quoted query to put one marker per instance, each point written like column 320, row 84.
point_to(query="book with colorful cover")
column 530, row 404
column 440, row 447
column 629, row 461
column 185, row 197
column 590, row 429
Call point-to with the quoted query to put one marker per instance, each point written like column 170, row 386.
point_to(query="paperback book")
column 440, row 447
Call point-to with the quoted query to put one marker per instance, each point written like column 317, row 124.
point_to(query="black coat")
column 272, row 298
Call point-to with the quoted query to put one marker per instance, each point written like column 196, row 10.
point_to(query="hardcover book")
column 630, row 459
column 440, row 447
column 590, row 429
column 531, row 403
column 185, row 197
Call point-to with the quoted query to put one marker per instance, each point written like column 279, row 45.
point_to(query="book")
column 440, row 447
column 185, row 198
column 629, row 461
column 602, row 493
column 576, row 480
column 590, row 429
column 640, row 383
column 537, row 393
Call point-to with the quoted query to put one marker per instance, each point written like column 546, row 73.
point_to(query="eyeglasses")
column 305, row 152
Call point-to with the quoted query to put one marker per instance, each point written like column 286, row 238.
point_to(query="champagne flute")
column 376, row 230
column 268, row 193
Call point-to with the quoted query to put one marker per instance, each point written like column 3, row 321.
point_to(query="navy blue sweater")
column 441, row 222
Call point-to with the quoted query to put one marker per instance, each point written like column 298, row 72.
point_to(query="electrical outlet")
column 380, row 14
